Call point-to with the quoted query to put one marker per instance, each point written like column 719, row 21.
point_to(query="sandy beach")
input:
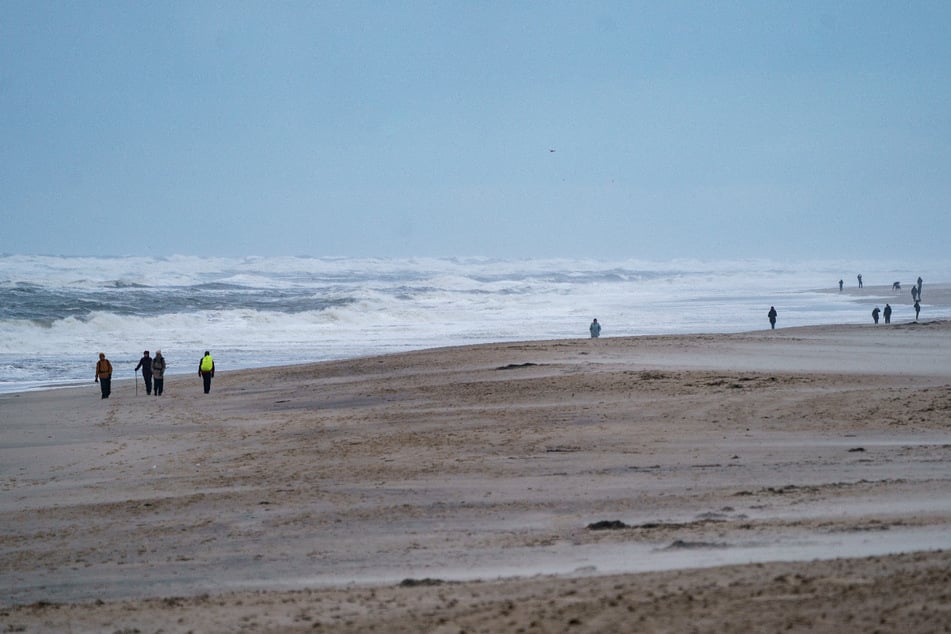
column 795, row 480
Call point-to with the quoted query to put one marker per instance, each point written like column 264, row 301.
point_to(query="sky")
column 513, row 129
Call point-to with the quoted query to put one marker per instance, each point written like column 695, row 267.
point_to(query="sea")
column 58, row 313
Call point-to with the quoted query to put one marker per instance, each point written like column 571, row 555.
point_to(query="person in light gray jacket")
column 158, row 373
column 595, row 329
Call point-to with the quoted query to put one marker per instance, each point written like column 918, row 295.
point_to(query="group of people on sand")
column 153, row 373
column 896, row 286
column 885, row 314
column 152, row 370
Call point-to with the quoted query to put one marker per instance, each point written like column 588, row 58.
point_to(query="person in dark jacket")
column 875, row 313
column 146, row 364
column 104, row 375
column 772, row 314
column 206, row 369
column 887, row 313
column 158, row 372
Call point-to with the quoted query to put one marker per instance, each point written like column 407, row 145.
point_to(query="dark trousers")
column 206, row 377
column 159, row 386
column 106, row 386
column 148, row 382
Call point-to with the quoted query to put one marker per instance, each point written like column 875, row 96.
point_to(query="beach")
column 794, row 479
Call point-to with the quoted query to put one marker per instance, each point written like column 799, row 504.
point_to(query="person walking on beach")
column 917, row 309
column 772, row 314
column 595, row 329
column 104, row 375
column 875, row 312
column 840, row 286
column 859, row 276
column 146, row 364
column 206, row 370
column 158, row 372
column 914, row 293
column 887, row 313
column 919, row 287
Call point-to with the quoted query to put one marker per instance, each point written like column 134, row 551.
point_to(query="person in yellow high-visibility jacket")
column 206, row 370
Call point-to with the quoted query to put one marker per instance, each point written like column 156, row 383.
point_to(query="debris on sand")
column 415, row 583
column 607, row 525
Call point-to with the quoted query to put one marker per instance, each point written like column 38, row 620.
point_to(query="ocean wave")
column 219, row 286
column 123, row 284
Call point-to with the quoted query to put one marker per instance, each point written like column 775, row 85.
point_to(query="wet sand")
column 794, row 479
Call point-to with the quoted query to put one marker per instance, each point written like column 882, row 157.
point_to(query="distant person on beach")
column 104, row 375
column 146, row 364
column 875, row 313
column 772, row 314
column 887, row 313
column 158, row 372
column 896, row 286
column 840, row 286
column 859, row 277
column 206, row 369
column 917, row 309
column 595, row 329
column 919, row 287
column 914, row 293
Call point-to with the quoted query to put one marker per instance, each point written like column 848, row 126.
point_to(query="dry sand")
column 794, row 480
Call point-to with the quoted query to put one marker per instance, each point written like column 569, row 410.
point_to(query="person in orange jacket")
column 104, row 375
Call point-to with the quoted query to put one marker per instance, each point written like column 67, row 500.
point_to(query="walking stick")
column 136, row 382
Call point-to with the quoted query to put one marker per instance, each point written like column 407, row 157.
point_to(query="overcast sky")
column 513, row 129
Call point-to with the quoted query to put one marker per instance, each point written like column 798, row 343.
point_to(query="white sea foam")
column 58, row 312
